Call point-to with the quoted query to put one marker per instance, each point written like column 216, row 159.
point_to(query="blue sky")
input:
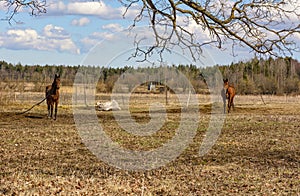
column 70, row 30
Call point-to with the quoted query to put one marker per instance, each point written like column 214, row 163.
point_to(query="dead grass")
column 257, row 153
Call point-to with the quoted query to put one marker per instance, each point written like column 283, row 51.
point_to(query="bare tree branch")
column 265, row 26
column 35, row 7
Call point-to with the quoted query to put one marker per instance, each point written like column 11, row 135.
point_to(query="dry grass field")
column 257, row 153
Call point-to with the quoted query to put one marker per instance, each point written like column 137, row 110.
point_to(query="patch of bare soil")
column 257, row 153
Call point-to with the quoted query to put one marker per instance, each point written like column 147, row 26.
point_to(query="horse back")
column 231, row 91
column 51, row 95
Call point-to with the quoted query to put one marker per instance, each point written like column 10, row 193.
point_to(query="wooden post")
column 166, row 90
column 189, row 97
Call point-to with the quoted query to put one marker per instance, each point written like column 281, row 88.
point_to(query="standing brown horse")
column 229, row 93
column 52, row 96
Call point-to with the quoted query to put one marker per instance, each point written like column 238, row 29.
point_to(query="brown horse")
column 229, row 93
column 52, row 96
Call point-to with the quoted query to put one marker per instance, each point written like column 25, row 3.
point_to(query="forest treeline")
column 256, row 76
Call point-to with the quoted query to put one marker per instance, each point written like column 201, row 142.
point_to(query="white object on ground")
column 109, row 105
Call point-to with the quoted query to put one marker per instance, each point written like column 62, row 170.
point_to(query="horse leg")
column 229, row 104
column 51, row 110
column 55, row 112
column 48, row 110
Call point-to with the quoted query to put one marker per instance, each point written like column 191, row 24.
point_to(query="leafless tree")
column 265, row 26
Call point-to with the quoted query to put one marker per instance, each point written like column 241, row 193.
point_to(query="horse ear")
column 57, row 75
column 225, row 80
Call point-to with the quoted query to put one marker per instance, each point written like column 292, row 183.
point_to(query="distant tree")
column 291, row 86
column 110, row 82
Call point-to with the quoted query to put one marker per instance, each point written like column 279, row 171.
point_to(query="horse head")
column 225, row 83
column 56, row 82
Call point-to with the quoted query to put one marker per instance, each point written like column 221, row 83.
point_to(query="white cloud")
column 99, row 9
column 297, row 38
column 57, row 7
column 292, row 7
column 80, row 22
column 103, row 9
column 87, row 8
column 22, row 36
column 53, row 38
column 93, row 8
column 193, row 27
column 3, row 6
column 52, row 31
column 104, row 35
column 95, row 38
column 113, row 27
